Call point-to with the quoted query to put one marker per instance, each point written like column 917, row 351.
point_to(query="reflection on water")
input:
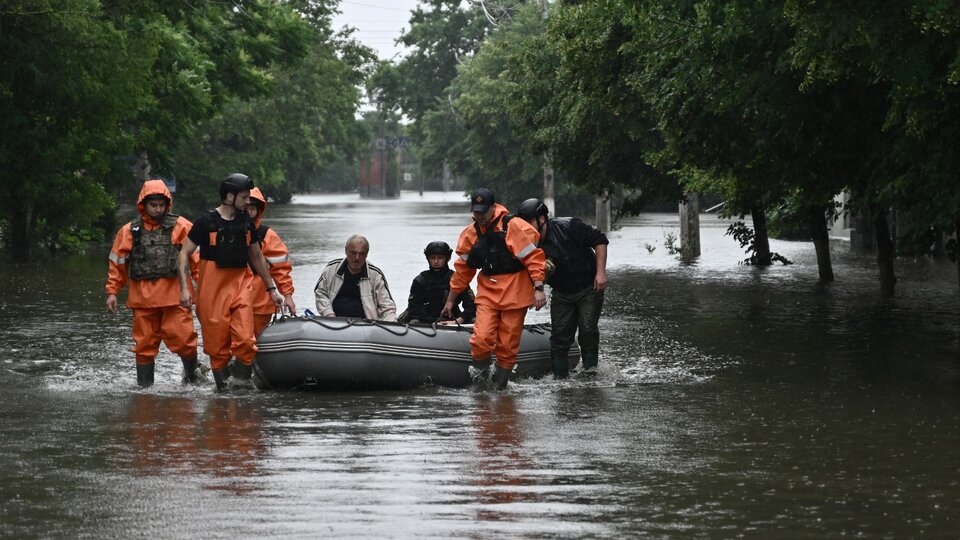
column 732, row 401
column 500, row 474
column 221, row 441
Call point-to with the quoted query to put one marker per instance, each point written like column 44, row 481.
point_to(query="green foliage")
column 68, row 80
column 573, row 98
column 442, row 34
column 202, row 87
column 285, row 139
column 746, row 237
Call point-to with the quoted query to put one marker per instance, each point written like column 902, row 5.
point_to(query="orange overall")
column 502, row 300
column 157, row 315
column 223, row 303
column 278, row 258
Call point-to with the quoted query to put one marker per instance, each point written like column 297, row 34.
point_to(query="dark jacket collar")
column 342, row 271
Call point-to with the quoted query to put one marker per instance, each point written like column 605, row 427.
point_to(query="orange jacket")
column 278, row 258
column 146, row 293
column 506, row 291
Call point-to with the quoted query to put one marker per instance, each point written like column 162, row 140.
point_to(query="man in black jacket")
column 429, row 290
column 577, row 274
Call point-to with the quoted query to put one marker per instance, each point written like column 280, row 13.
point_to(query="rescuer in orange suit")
column 227, row 245
column 145, row 254
column 511, row 280
column 277, row 257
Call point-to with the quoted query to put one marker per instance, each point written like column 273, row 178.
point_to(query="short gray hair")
column 357, row 239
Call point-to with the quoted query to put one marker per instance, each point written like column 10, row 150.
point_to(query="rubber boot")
column 241, row 371
column 190, row 370
column 561, row 368
column 501, row 377
column 242, row 374
column 220, row 377
column 145, row 375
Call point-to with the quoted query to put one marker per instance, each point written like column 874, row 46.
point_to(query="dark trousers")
column 570, row 312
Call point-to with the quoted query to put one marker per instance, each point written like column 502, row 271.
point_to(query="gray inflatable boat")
column 341, row 353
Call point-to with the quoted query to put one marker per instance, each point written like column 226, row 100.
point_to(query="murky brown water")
column 733, row 402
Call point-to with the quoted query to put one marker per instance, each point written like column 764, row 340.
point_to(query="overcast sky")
column 378, row 23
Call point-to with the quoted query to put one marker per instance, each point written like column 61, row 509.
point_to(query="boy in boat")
column 510, row 281
column 579, row 255
column 277, row 257
column 144, row 254
column 428, row 292
column 227, row 245
column 352, row 287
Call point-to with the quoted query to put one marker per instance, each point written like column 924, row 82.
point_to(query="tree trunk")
column 761, row 240
column 690, row 226
column 143, row 166
column 888, row 278
column 603, row 212
column 956, row 232
column 548, row 187
column 939, row 251
column 23, row 225
column 821, row 242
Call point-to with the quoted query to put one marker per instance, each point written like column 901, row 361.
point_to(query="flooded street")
column 732, row 402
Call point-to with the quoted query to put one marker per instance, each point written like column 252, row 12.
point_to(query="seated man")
column 429, row 290
column 351, row 287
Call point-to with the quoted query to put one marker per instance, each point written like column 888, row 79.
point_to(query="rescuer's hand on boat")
column 447, row 310
column 289, row 304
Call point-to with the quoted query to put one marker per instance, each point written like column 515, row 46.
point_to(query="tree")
column 910, row 53
column 285, row 138
column 68, row 81
column 572, row 96
column 85, row 85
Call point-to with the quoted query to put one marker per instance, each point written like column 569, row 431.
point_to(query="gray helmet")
column 531, row 208
column 438, row 248
column 235, row 183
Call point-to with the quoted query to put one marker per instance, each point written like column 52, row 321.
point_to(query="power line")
column 372, row 5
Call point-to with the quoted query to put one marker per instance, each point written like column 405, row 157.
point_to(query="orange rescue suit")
column 223, row 300
column 157, row 314
column 278, row 258
column 502, row 300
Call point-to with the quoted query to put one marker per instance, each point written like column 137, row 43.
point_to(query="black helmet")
column 235, row 183
column 531, row 208
column 438, row 248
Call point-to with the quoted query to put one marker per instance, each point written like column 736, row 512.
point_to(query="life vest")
column 231, row 248
column 436, row 287
column 153, row 255
column 490, row 254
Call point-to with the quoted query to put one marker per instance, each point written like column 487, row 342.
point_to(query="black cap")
column 481, row 200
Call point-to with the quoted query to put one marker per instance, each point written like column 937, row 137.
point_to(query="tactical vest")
column 153, row 255
column 231, row 248
column 434, row 296
column 490, row 254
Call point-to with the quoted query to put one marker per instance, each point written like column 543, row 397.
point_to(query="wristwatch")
column 538, row 287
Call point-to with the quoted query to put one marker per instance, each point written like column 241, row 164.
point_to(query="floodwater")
column 733, row 402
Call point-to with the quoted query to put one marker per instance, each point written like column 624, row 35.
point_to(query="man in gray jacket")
column 352, row 287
